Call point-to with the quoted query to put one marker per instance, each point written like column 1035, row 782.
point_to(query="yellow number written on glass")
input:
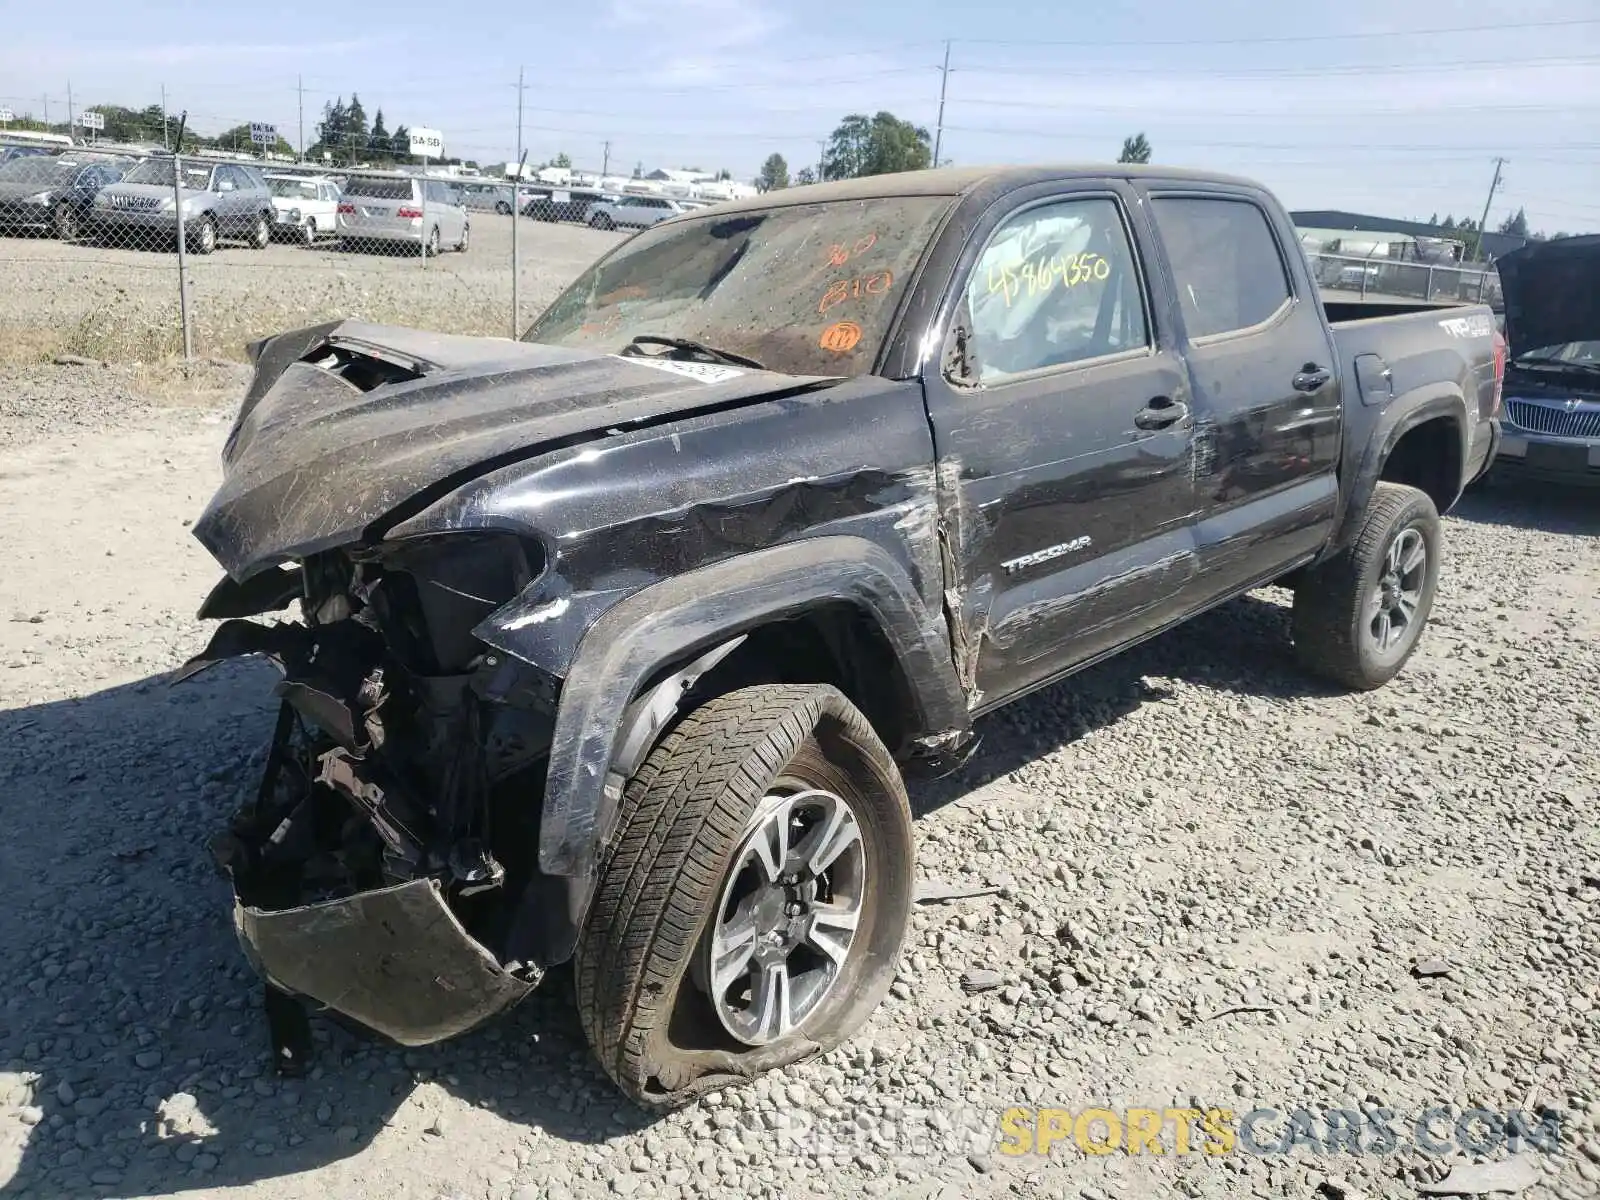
column 1040, row 274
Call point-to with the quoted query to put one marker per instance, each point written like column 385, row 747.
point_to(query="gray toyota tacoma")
column 615, row 644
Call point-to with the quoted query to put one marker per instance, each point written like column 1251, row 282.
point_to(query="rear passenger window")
column 1225, row 263
column 1055, row 285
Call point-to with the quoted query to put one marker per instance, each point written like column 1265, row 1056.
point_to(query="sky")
column 1363, row 105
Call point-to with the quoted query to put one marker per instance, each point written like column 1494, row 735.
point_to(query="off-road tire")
column 1331, row 600
column 682, row 817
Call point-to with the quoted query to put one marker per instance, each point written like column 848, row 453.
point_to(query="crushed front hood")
column 1552, row 292
column 314, row 460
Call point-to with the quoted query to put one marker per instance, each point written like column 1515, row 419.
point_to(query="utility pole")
column 822, row 154
column 166, row 144
column 944, row 82
column 605, row 161
column 47, row 112
column 300, row 94
column 516, row 218
column 1494, row 185
column 69, row 108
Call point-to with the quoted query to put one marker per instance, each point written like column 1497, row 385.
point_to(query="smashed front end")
column 385, row 864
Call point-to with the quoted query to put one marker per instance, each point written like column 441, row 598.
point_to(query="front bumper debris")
column 395, row 959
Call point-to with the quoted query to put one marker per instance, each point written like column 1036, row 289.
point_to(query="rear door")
column 1262, row 371
column 1061, row 422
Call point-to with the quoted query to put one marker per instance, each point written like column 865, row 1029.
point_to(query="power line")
column 1284, row 39
column 1336, row 70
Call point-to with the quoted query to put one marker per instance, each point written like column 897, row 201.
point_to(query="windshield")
column 159, row 171
column 1567, row 352
column 808, row 289
column 293, row 189
column 34, row 169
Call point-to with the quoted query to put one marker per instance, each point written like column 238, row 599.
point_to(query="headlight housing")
column 41, row 198
column 294, row 216
column 168, row 204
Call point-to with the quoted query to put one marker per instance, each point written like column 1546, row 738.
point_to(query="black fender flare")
column 668, row 622
column 1402, row 415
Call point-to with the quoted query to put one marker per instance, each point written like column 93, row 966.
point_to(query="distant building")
column 1392, row 229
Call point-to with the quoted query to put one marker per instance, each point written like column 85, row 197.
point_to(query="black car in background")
column 54, row 192
column 564, row 204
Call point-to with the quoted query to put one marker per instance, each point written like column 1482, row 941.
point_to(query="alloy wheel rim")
column 786, row 916
column 1397, row 596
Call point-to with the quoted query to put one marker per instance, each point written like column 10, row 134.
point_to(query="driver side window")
column 1055, row 285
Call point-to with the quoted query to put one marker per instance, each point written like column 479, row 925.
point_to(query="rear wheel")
column 502, row 208
column 601, row 221
column 466, row 236
column 260, row 233
column 1357, row 617
column 752, row 908
column 430, row 248
column 308, row 232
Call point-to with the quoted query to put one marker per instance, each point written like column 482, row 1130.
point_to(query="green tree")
column 880, row 145
column 774, row 174
column 1135, row 149
column 1516, row 225
column 723, row 175
column 401, row 144
column 804, row 176
column 380, row 144
column 561, row 160
column 355, row 129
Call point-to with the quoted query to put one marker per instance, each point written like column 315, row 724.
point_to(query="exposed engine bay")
column 399, row 797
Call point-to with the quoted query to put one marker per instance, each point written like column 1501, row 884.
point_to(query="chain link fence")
column 130, row 257
column 1377, row 278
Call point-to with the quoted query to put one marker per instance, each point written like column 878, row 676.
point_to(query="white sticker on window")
column 704, row 372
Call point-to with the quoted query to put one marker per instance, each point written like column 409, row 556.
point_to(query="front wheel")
column 1358, row 616
column 65, row 222
column 751, row 910
column 204, row 238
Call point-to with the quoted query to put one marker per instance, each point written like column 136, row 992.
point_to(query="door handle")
column 1161, row 412
column 1311, row 377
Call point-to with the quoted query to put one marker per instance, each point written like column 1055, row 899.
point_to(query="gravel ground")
column 122, row 304
column 1219, row 885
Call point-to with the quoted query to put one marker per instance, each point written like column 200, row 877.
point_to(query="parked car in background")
column 1552, row 391
column 484, row 196
column 305, row 207
column 566, row 204
column 400, row 210
column 634, row 212
column 9, row 151
column 220, row 200
column 54, row 192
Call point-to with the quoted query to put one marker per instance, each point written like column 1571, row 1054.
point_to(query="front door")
column 1061, row 424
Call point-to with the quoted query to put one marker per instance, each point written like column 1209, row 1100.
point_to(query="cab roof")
column 960, row 181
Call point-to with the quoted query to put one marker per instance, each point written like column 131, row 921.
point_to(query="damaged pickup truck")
column 612, row 645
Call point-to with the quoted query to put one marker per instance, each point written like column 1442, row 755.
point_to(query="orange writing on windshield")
column 840, row 337
column 840, row 290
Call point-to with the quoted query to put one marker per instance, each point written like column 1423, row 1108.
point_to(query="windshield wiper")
column 1555, row 364
column 689, row 346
